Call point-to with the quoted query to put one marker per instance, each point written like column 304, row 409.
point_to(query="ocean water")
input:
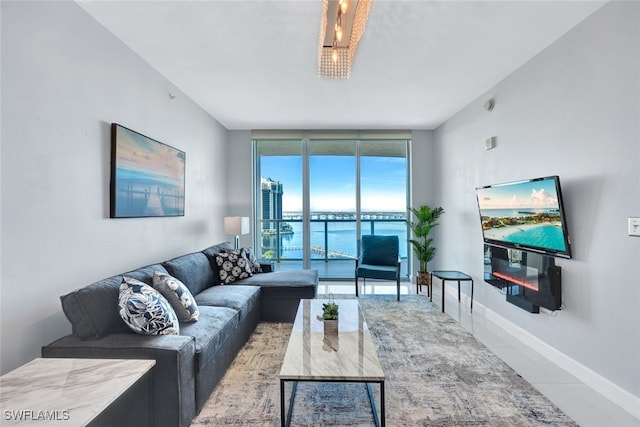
column 341, row 238
column 545, row 236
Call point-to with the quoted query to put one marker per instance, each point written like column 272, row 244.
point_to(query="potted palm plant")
column 425, row 219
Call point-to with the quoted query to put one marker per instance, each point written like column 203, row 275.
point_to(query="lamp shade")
column 236, row 225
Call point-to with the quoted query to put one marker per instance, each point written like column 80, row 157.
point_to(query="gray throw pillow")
column 178, row 296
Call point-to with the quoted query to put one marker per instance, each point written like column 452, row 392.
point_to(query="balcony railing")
column 333, row 241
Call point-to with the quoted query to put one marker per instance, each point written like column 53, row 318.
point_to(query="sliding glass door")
column 317, row 196
column 279, row 192
column 332, row 202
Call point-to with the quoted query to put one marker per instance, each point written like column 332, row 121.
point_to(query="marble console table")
column 77, row 392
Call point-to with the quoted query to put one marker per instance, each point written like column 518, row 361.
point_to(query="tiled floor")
column 586, row 406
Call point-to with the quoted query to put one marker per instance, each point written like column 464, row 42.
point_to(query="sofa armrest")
column 173, row 374
column 266, row 266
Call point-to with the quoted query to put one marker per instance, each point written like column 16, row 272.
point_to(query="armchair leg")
column 356, row 286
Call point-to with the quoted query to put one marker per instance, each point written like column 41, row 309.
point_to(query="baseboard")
column 592, row 379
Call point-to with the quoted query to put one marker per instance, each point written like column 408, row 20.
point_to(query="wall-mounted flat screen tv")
column 526, row 215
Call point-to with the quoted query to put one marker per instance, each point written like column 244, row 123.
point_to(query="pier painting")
column 147, row 176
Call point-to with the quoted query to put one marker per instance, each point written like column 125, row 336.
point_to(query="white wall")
column 240, row 188
column 574, row 111
column 64, row 80
column 422, row 180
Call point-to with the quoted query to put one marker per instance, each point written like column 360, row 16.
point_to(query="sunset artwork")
column 147, row 176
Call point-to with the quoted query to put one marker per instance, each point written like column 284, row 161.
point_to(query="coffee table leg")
column 443, row 294
column 285, row 421
column 382, row 413
column 378, row 421
column 282, row 420
column 294, row 388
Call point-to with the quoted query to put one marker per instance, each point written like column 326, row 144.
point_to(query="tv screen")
column 526, row 215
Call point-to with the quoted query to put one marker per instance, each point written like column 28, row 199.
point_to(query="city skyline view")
column 332, row 184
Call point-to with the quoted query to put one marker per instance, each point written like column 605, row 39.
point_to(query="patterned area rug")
column 437, row 374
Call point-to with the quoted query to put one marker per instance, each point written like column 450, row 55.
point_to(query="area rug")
column 437, row 374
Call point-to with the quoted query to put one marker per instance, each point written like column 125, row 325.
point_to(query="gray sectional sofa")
column 188, row 365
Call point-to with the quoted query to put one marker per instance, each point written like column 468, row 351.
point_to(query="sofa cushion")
column 178, row 296
column 281, row 291
column 211, row 331
column 93, row 310
column 193, row 270
column 241, row 298
column 211, row 253
column 216, row 249
column 145, row 310
column 145, row 274
column 283, row 279
column 388, row 272
column 233, row 265
column 380, row 250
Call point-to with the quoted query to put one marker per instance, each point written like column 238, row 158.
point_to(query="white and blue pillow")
column 253, row 261
column 178, row 295
column 145, row 310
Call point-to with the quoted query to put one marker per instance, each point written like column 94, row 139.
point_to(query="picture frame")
column 147, row 176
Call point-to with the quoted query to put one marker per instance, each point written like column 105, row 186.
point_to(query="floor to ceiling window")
column 317, row 194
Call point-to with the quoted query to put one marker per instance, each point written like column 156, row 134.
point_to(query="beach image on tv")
column 526, row 213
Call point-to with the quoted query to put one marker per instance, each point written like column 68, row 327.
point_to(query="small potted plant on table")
column 330, row 317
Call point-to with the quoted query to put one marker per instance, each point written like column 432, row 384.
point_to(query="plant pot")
column 424, row 278
column 330, row 327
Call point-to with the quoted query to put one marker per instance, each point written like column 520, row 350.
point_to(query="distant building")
column 271, row 202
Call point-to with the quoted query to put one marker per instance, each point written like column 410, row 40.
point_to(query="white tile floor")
column 582, row 403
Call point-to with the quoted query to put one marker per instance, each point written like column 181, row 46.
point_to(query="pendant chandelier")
column 341, row 27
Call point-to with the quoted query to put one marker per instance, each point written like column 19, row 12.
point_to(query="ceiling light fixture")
column 341, row 27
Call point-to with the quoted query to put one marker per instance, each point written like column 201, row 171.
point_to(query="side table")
column 79, row 392
column 458, row 276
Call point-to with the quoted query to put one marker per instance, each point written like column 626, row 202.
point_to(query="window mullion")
column 306, row 206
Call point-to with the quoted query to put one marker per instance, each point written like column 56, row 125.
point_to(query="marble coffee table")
column 349, row 356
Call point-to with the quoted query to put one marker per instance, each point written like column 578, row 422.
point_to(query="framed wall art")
column 147, row 176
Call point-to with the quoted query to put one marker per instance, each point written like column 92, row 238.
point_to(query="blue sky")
column 534, row 194
column 332, row 182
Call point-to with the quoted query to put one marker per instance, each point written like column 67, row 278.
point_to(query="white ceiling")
column 253, row 64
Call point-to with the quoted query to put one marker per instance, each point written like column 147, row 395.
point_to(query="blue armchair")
column 380, row 259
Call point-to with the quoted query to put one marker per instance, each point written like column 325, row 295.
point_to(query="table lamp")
column 236, row 226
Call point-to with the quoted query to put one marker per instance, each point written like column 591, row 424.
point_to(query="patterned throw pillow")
column 178, row 296
column 145, row 310
column 233, row 265
column 253, row 261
